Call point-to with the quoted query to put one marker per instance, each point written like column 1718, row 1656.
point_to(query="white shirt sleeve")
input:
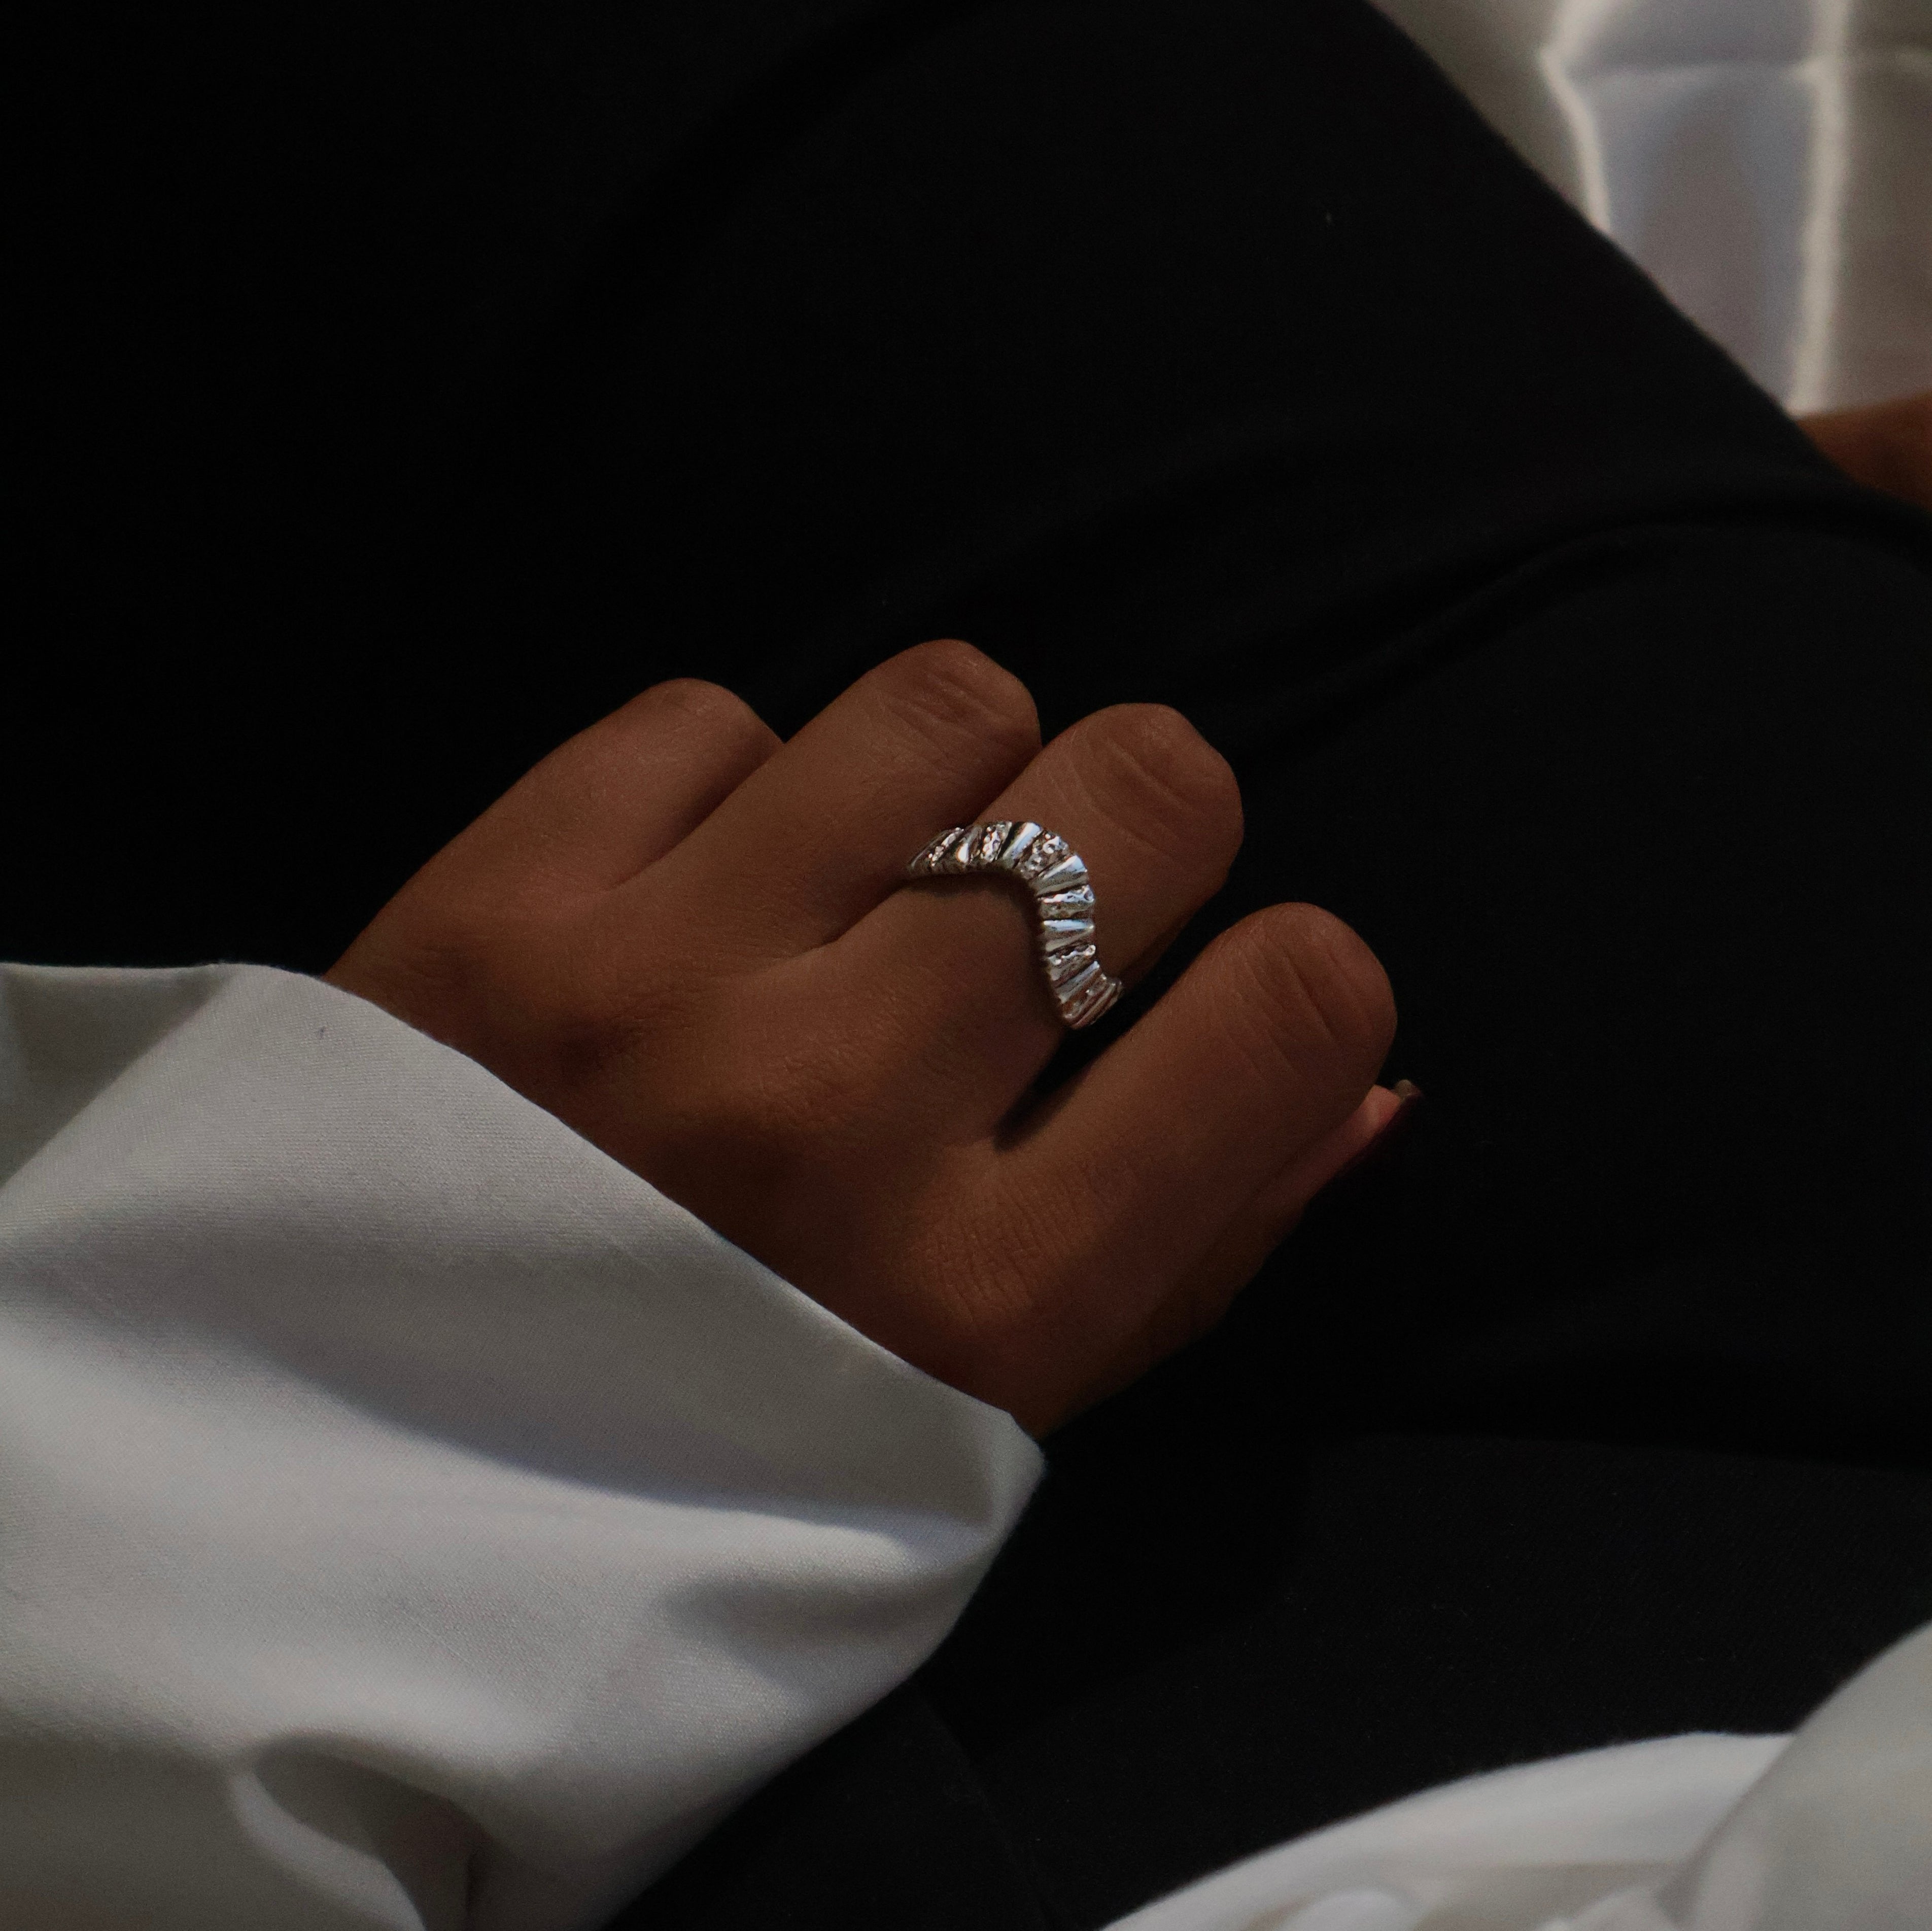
column 409, row 1518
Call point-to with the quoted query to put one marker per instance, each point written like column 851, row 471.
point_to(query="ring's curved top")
column 1054, row 874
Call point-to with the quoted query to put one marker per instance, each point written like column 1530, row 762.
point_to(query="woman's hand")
column 689, row 941
column 1886, row 445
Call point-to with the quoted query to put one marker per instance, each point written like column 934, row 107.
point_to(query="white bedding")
column 411, row 1520
column 1769, row 161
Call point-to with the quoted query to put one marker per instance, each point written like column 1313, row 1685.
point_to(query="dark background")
column 405, row 387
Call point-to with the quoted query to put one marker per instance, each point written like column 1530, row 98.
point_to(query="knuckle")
column 451, row 968
column 1151, row 771
column 947, row 691
column 706, row 708
column 1309, row 984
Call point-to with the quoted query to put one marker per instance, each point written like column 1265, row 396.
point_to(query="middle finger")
column 955, row 987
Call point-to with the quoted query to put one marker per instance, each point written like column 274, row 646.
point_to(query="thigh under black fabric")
column 416, row 386
column 1669, row 1187
column 410, row 385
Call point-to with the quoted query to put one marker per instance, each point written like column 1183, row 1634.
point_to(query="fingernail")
column 1410, row 1094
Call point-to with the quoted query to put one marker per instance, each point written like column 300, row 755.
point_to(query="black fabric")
column 887, row 1824
column 412, row 386
column 1436, row 1607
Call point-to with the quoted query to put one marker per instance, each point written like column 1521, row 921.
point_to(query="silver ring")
column 1054, row 873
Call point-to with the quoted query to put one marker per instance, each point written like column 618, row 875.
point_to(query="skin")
column 688, row 941
column 1887, row 446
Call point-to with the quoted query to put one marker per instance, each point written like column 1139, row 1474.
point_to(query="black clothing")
column 415, row 387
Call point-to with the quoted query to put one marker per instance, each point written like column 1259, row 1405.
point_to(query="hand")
column 689, row 941
column 1886, row 445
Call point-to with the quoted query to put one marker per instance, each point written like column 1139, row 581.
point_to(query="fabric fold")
column 1832, row 1826
column 1769, row 165
column 412, row 1517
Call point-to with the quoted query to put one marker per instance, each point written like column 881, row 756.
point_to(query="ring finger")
column 955, row 988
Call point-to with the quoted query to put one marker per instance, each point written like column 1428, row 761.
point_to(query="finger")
column 824, row 831
column 1142, row 1164
column 1201, row 1297
column 1884, row 445
column 1153, row 809
column 955, row 988
column 1196, row 1303
column 619, row 795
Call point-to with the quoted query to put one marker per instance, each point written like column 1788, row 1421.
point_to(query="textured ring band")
column 1054, row 874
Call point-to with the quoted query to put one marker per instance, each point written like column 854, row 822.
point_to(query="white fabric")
column 1832, row 1832
column 409, row 1518
column 1769, row 161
